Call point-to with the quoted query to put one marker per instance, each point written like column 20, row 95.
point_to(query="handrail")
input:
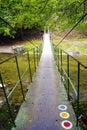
column 70, row 82
column 59, row 61
column 85, row 66
column 7, row 59
column 36, row 51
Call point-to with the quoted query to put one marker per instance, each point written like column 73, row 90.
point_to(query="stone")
column 2, row 86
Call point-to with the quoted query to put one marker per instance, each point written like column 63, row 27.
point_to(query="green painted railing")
column 65, row 75
column 36, row 53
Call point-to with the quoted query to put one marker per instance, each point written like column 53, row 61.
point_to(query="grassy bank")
column 77, row 46
column 10, row 78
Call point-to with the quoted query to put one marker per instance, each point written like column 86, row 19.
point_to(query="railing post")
column 44, row 30
column 34, row 59
column 37, row 57
column 29, row 66
column 41, row 49
column 78, row 91
column 39, row 52
column 19, row 77
column 58, row 60
column 55, row 55
column 8, row 105
column 61, row 64
column 68, row 74
column 48, row 30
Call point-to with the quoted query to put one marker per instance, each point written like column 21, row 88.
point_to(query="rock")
column 2, row 86
column 9, row 83
column 77, row 53
column 74, row 53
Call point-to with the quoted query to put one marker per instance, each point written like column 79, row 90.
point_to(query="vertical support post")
column 39, row 53
column 8, row 105
column 29, row 66
column 58, row 60
column 19, row 77
column 48, row 30
column 44, row 30
column 37, row 57
column 55, row 55
column 34, row 59
column 68, row 74
column 61, row 65
column 40, row 50
column 78, row 91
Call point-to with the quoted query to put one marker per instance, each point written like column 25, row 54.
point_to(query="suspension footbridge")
column 46, row 106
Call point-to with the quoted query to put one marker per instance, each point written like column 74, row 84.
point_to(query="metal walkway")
column 46, row 106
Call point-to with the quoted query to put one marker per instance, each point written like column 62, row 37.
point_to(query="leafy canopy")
column 28, row 14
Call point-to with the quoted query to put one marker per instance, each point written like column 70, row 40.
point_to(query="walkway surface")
column 46, row 106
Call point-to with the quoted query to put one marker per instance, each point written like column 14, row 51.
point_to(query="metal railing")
column 65, row 76
column 32, row 55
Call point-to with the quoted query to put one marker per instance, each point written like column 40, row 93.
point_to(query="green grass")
column 78, row 45
column 10, row 77
column 32, row 44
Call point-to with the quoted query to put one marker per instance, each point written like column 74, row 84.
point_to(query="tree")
column 28, row 14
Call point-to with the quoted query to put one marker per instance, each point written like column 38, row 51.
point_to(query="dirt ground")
column 73, row 37
column 7, row 44
column 9, row 48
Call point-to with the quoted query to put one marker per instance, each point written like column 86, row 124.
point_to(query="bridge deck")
column 42, row 109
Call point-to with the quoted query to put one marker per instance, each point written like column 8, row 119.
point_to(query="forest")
column 19, row 15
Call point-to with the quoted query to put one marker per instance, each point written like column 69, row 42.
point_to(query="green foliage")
column 30, row 14
column 82, row 113
column 71, row 12
column 5, row 121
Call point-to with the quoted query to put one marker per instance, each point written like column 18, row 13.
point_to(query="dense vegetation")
column 18, row 15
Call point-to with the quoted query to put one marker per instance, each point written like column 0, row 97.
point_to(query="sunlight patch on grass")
column 80, row 45
column 32, row 44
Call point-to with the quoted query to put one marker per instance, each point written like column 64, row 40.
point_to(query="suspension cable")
column 7, row 23
column 71, row 29
column 44, row 6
